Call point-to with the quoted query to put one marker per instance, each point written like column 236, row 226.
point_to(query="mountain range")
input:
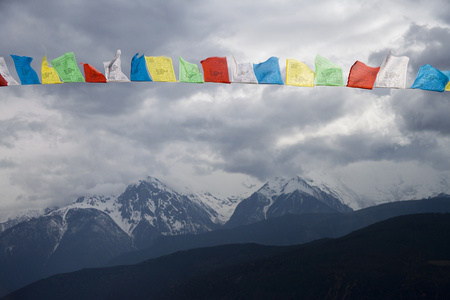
column 95, row 231
column 406, row 257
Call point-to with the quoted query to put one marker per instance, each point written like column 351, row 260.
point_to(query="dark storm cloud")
column 89, row 137
column 433, row 42
column 423, row 45
column 90, row 100
column 423, row 111
column 12, row 130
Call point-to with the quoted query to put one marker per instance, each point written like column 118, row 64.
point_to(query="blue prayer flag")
column 24, row 70
column 268, row 71
column 139, row 69
column 431, row 79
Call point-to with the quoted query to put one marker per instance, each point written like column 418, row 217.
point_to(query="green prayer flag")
column 67, row 68
column 189, row 72
column 328, row 73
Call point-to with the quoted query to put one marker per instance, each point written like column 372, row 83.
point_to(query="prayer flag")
column 189, row 72
column 24, row 70
column 67, row 68
column 215, row 69
column 298, row 73
column 362, row 76
column 4, row 72
column 431, row 79
column 139, row 69
column 3, row 82
column 447, row 73
column 113, row 69
column 328, row 73
column 92, row 74
column 242, row 72
column 268, row 71
column 161, row 68
column 49, row 75
column 392, row 72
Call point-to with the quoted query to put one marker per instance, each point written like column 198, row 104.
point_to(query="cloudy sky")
column 58, row 142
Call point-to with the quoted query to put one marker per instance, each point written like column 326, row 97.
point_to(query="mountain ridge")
column 394, row 259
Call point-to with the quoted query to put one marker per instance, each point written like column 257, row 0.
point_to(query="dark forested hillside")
column 406, row 257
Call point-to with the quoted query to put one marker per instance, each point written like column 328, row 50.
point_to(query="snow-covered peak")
column 156, row 184
column 282, row 185
column 19, row 217
column 222, row 206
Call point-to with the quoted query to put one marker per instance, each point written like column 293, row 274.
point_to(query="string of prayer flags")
column 92, row 74
column 161, row 68
column 48, row 74
column 362, row 76
column 299, row 74
column 24, row 70
column 4, row 72
column 215, row 69
column 242, row 72
column 189, row 72
column 268, row 71
column 392, row 72
column 430, row 79
column 328, row 73
column 139, row 69
column 113, row 69
column 67, row 68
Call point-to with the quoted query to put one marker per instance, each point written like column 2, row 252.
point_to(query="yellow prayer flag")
column 447, row 87
column 298, row 73
column 49, row 75
column 160, row 68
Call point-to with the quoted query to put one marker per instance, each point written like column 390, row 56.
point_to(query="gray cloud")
column 423, row 111
column 93, row 138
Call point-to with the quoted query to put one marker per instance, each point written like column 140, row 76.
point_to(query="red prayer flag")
column 215, row 69
column 91, row 74
column 362, row 76
column 3, row 81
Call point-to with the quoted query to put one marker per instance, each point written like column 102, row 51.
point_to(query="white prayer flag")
column 113, row 70
column 242, row 73
column 392, row 72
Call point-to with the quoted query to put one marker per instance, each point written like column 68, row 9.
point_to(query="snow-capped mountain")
column 282, row 196
column 21, row 216
column 63, row 240
column 150, row 208
column 222, row 208
column 94, row 229
column 381, row 190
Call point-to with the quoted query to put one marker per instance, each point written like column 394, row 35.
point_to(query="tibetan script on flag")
column 430, row 79
column 161, row 68
column 298, row 73
column 268, row 71
column 24, row 70
column 189, row 72
column 67, row 68
column 242, row 72
column 215, row 69
column 362, row 76
column 49, row 74
column 392, row 72
column 113, row 69
column 139, row 69
column 92, row 74
column 328, row 73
